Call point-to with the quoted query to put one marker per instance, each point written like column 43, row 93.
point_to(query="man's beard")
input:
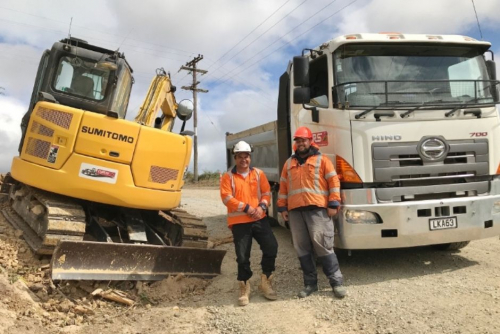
column 303, row 151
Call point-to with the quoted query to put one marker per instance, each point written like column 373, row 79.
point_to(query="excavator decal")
column 98, row 173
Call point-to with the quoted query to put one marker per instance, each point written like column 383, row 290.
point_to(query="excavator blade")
column 86, row 260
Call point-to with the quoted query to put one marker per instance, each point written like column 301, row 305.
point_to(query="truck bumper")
column 407, row 224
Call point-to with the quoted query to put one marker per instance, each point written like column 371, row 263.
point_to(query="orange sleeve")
column 332, row 179
column 283, row 193
column 265, row 189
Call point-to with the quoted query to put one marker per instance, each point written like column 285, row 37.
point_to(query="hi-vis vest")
column 239, row 194
column 313, row 183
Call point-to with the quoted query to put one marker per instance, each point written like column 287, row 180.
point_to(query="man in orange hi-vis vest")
column 246, row 193
column 309, row 196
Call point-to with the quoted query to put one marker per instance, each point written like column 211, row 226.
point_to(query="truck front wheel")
column 451, row 246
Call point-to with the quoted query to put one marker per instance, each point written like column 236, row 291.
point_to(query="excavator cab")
column 98, row 191
column 84, row 76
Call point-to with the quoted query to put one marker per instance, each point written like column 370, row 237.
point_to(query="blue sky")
column 230, row 34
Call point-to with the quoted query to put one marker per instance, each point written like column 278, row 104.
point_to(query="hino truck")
column 411, row 124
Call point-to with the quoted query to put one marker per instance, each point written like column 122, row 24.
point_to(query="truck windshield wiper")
column 476, row 112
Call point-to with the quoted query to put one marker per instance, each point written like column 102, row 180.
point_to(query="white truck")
column 411, row 124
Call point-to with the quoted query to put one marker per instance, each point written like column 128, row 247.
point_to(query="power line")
column 287, row 43
column 251, row 32
column 477, row 19
column 280, row 38
column 261, row 35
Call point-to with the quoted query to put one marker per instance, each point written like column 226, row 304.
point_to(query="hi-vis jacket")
column 313, row 183
column 239, row 194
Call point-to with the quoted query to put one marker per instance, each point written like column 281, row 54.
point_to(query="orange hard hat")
column 303, row 132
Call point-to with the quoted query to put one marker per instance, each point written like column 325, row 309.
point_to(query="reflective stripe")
column 266, row 194
column 259, row 196
column 234, row 214
column 227, row 199
column 232, row 182
column 289, row 173
column 282, row 179
column 316, row 172
column 282, row 196
column 307, row 190
column 241, row 206
column 329, row 175
column 334, row 190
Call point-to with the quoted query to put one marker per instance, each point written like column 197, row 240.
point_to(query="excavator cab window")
column 79, row 77
column 121, row 98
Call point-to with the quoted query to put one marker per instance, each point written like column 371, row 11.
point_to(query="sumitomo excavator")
column 99, row 192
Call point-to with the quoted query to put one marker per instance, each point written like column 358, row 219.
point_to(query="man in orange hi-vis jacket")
column 246, row 193
column 309, row 196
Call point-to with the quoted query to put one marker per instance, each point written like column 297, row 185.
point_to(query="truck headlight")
column 362, row 217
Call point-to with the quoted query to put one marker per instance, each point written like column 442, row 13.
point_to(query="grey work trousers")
column 313, row 230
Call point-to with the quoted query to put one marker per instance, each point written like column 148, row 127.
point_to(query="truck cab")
column 410, row 123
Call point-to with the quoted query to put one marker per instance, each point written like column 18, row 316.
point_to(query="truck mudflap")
column 87, row 260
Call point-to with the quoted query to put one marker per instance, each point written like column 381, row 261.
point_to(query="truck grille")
column 401, row 165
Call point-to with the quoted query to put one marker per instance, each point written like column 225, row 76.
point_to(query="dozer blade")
column 86, row 260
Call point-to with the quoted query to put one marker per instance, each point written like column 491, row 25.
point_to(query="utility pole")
column 191, row 66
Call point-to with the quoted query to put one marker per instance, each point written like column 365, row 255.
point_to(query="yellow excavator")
column 99, row 192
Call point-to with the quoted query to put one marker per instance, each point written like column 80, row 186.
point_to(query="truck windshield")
column 77, row 76
column 378, row 75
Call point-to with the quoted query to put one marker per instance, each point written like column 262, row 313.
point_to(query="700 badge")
column 320, row 138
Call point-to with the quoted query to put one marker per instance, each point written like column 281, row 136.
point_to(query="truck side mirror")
column 301, row 71
column 301, row 95
column 492, row 69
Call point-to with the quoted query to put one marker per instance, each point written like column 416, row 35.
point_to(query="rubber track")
column 62, row 219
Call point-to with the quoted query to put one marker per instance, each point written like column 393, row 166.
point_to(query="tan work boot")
column 244, row 298
column 266, row 287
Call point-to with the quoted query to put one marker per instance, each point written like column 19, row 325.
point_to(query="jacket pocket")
column 328, row 239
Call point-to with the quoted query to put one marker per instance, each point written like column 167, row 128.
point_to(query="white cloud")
column 11, row 113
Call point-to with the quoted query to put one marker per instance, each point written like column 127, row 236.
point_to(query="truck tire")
column 451, row 246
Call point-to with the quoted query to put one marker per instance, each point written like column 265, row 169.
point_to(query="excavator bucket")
column 86, row 260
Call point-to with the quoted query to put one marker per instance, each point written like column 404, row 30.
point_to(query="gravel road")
column 418, row 290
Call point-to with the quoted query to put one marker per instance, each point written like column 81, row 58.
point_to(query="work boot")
column 339, row 291
column 308, row 289
column 266, row 287
column 244, row 298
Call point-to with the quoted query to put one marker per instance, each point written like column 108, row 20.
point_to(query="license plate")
column 443, row 223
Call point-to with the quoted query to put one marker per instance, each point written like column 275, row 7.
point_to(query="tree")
column 2, row 91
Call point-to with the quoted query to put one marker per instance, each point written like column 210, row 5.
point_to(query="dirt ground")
column 417, row 290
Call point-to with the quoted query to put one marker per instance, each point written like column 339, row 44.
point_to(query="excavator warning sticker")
column 53, row 154
column 98, row 173
column 320, row 138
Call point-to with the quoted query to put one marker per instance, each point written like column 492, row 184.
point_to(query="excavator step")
column 86, row 260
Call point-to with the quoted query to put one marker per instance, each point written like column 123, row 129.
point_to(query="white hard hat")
column 242, row 146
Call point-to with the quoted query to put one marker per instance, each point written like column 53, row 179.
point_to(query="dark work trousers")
column 313, row 230
column 243, row 235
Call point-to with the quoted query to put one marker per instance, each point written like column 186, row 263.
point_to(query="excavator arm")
column 160, row 96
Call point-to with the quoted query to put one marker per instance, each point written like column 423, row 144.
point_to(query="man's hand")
column 332, row 212
column 257, row 213
column 284, row 214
